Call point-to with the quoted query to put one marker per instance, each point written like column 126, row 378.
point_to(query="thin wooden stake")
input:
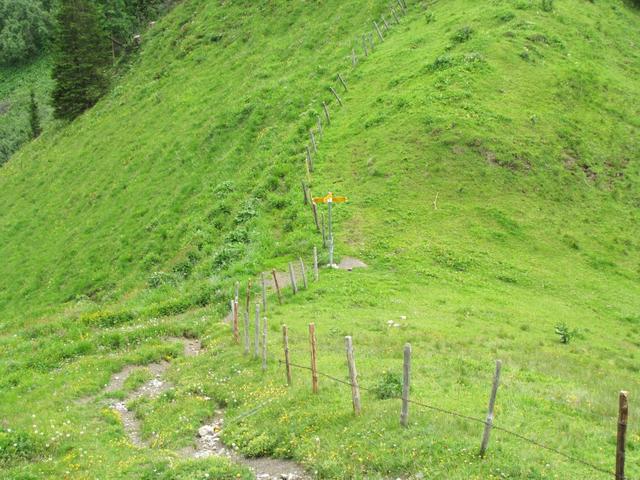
column 375, row 24
column 236, row 333
column 353, row 376
column 314, row 366
column 247, row 341
column 623, row 416
column 292, row 277
column 264, row 292
column 314, row 210
column 326, row 112
column 320, row 127
column 305, row 193
column 354, row 59
column 316, row 273
column 309, row 160
column 275, row 282
column 402, row 7
column 313, row 141
column 304, row 273
column 285, row 341
column 364, row 44
column 492, row 402
column 232, row 310
column 384, row 22
column 406, row 386
column 256, row 333
column 335, row 94
column 371, row 42
column 344, row 84
column 395, row 16
column 237, row 297
column 264, row 343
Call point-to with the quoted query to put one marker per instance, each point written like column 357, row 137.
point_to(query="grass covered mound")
column 489, row 153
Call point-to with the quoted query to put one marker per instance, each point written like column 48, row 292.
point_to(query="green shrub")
column 565, row 333
column 389, row 386
column 547, row 5
column 159, row 279
column 463, row 34
column 106, row 318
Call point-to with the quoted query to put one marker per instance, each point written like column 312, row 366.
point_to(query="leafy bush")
column 565, row 333
column 547, row 5
column 389, row 386
column 159, row 279
column 25, row 29
column 463, row 34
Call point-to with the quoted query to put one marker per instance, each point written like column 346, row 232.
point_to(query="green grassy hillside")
column 490, row 155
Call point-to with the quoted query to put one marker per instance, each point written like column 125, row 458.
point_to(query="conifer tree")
column 34, row 118
column 81, row 57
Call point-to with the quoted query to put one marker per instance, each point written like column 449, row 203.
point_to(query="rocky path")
column 207, row 441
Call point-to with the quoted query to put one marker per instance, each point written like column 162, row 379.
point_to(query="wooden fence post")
column 246, row 332
column 316, row 272
column 395, row 15
column 314, row 210
column 236, row 333
column 264, row 292
column 364, row 44
column 353, row 376
column 312, row 137
column 275, row 282
column 344, row 84
column 492, row 402
column 314, row 366
column 232, row 310
column 256, row 333
column 305, row 193
column 384, row 22
column 623, row 416
column 354, row 59
column 248, row 294
column 401, row 6
column 285, row 340
column 264, row 343
column 406, row 386
column 309, row 160
column 375, row 24
column 292, row 277
column 335, row 94
column 326, row 112
column 320, row 129
column 304, row 273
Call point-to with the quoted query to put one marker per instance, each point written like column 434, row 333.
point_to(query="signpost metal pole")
column 329, row 206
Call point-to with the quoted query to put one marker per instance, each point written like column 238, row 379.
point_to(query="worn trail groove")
column 207, row 441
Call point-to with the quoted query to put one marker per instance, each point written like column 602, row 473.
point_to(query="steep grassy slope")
column 490, row 157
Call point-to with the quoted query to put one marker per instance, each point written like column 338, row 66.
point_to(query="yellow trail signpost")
column 329, row 199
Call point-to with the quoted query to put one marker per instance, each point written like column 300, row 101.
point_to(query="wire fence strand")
column 472, row 419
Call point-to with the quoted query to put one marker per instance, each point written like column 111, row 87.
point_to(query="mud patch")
column 350, row 263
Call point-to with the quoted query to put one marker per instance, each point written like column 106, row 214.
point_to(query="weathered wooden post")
column 292, row 277
column 324, row 232
column 237, row 297
column 275, row 282
column 309, row 160
column 305, row 192
column 375, row 24
column 246, row 333
column 395, row 15
column 248, row 294
column 285, row 340
column 384, row 22
column 316, row 272
column 314, row 366
column 314, row 210
column 304, row 273
column 236, row 333
column 402, row 7
column 335, row 94
column 264, row 343
column 364, row 44
column 623, row 416
column 492, row 402
column 406, row 386
column 326, row 112
column 264, row 292
column 344, row 84
column 231, row 312
column 354, row 59
column 353, row 376
column 256, row 333
column 320, row 128
column 312, row 137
